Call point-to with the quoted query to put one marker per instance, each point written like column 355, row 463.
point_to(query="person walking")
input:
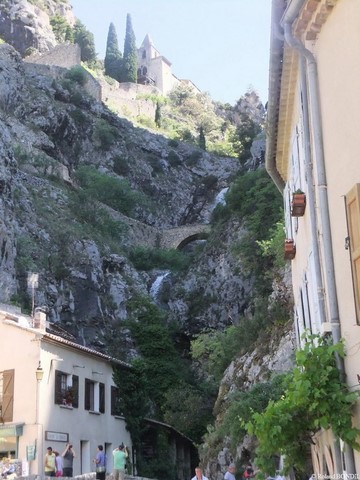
column 58, row 465
column 120, row 455
column 100, row 461
column 230, row 473
column 68, row 459
column 49, row 464
column 199, row 474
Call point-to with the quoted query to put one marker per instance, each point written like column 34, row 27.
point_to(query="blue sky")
column 220, row 45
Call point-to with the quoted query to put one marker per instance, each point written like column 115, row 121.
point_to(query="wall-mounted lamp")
column 98, row 373
column 39, row 372
column 78, row 366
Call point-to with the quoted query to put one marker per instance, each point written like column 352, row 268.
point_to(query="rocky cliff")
column 70, row 249
column 26, row 24
column 45, row 139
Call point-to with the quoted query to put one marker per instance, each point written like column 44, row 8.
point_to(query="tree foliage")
column 158, row 115
column 133, row 397
column 243, row 405
column 188, row 407
column 202, row 140
column 113, row 56
column 129, row 63
column 62, row 29
column 315, row 399
column 85, row 39
column 148, row 258
column 114, row 192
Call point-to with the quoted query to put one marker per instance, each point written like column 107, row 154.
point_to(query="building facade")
column 53, row 392
column 154, row 69
column 313, row 122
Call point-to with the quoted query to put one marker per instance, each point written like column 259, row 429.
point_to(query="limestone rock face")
column 26, row 25
column 84, row 283
column 214, row 292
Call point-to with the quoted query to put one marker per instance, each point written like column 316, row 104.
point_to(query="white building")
column 54, row 391
column 155, row 69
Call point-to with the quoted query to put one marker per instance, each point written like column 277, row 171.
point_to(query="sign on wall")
column 30, row 452
column 56, row 436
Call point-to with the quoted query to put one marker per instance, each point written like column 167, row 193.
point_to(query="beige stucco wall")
column 338, row 54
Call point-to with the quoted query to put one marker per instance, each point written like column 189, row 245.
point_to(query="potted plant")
column 289, row 249
column 298, row 203
column 68, row 397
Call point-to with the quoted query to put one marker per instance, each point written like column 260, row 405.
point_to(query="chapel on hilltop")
column 154, row 69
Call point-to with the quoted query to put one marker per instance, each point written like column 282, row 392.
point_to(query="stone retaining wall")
column 129, row 98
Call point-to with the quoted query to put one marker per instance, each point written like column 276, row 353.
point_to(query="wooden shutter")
column 353, row 218
column 87, row 403
column 114, row 395
column 8, row 395
column 58, row 393
column 101, row 397
column 75, row 389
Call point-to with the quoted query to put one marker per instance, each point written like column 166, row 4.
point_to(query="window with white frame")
column 94, row 400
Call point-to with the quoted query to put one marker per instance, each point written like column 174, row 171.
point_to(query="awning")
column 15, row 430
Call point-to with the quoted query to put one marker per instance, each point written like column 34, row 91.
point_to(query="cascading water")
column 220, row 197
column 156, row 286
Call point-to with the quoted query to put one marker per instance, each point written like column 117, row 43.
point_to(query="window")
column 115, row 401
column 94, row 396
column 353, row 220
column 66, row 389
column 6, row 395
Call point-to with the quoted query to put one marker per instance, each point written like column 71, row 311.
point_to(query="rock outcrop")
column 46, row 138
column 26, row 25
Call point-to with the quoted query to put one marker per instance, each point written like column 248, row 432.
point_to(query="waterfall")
column 155, row 287
column 220, row 197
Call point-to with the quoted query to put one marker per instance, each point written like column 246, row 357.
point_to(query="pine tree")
column 85, row 39
column 113, row 56
column 129, row 64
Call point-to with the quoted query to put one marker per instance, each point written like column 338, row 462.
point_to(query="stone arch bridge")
column 178, row 237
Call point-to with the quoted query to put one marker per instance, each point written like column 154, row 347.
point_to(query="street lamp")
column 39, row 372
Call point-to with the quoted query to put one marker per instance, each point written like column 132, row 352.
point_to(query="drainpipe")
column 311, row 194
column 314, row 108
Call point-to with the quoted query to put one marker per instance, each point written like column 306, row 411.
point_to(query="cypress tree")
column 158, row 115
column 113, row 57
column 129, row 63
column 85, row 39
column 202, row 140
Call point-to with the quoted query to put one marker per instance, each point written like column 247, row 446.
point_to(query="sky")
column 222, row 46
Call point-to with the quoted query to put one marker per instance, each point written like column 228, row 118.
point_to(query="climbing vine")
column 315, row 399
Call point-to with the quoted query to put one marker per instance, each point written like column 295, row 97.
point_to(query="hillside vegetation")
column 87, row 195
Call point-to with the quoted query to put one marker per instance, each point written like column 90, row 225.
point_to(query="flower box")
column 298, row 204
column 289, row 249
